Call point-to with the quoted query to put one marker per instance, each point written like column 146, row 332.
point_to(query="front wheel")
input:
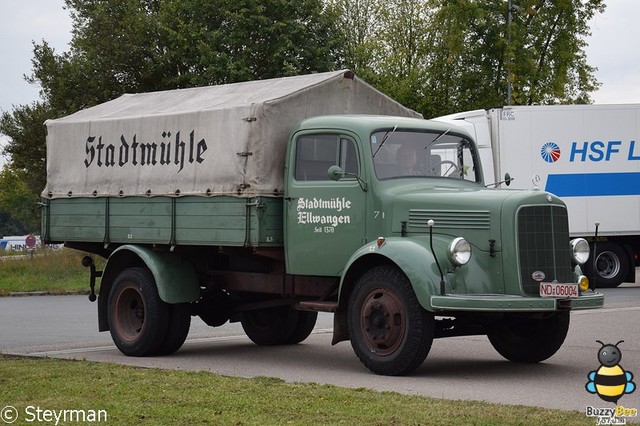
column 529, row 340
column 390, row 332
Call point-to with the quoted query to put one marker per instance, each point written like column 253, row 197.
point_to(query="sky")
column 613, row 49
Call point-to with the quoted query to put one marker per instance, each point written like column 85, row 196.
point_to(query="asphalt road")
column 461, row 368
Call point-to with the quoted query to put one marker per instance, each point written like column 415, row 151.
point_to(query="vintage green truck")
column 269, row 201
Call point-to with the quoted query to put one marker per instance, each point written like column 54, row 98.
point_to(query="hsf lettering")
column 604, row 151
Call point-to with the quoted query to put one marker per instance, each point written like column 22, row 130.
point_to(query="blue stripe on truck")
column 593, row 184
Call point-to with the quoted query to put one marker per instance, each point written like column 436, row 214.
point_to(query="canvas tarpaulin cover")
column 218, row 140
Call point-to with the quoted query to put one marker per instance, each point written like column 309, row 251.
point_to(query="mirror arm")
column 507, row 181
column 336, row 173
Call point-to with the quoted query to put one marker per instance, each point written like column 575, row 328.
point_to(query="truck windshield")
column 412, row 153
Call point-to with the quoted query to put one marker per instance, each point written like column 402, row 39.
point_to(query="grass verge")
column 133, row 396
column 52, row 271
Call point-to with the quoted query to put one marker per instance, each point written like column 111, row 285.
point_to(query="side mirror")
column 335, row 172
column 507, row 179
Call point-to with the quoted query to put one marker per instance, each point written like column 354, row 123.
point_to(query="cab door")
column 324, row 218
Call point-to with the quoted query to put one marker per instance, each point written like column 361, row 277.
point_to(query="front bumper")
column 510, row 303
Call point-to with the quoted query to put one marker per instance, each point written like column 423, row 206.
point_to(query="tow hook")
column 87, row 262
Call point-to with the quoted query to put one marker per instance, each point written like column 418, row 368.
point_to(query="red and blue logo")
column 550, row 152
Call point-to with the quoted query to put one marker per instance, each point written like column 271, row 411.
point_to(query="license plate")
column 558, row 290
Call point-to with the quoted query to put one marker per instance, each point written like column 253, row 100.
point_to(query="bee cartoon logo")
column 610, row 381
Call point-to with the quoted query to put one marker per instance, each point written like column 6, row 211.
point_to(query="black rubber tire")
column 304, row 327
column 390, row 332
column 138, row 318
column 529, row 340
column 611, row 265
column 270, row 326
column 178, row 329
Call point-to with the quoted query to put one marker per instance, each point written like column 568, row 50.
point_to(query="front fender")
column 176, row 280
column 412, row 256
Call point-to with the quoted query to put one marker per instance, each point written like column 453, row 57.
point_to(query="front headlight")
column 459, row 251
column 580, row 250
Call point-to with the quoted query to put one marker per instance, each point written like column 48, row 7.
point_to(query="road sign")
column 30, row 241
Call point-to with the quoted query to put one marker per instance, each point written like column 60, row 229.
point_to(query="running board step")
column 321, row 306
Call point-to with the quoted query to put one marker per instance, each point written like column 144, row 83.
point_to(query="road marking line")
column 605, row 310
column 187, row 342
column 71, row 351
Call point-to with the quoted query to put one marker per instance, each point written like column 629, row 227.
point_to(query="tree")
column 236, row 40
column 544, row 59
column 17, row 199
column 359, row 26
column 147, row 45
column 387, row 44
column 549, row 65
column 442, row 56
column 10, row 226
column 465, row 66
column 26, row 148
column 435, row 56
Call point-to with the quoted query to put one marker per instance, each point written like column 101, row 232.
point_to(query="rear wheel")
column 529, row 340
column 138, row 318
column 390, row 332
column 304, row 327
column 270, row 326
column 178, row 328
column 610, row 266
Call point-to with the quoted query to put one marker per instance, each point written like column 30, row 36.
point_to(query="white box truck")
column 588, row 155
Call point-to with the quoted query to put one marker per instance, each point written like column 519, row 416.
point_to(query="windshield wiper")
column 384, row 139
column 437, row 137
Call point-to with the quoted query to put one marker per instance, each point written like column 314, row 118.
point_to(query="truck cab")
column 398, row 209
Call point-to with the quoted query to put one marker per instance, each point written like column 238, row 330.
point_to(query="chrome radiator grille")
column 543, row 245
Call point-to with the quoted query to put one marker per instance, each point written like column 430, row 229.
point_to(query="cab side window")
column 316, row 153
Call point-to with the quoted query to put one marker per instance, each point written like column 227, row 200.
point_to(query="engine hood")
column 478, row 214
